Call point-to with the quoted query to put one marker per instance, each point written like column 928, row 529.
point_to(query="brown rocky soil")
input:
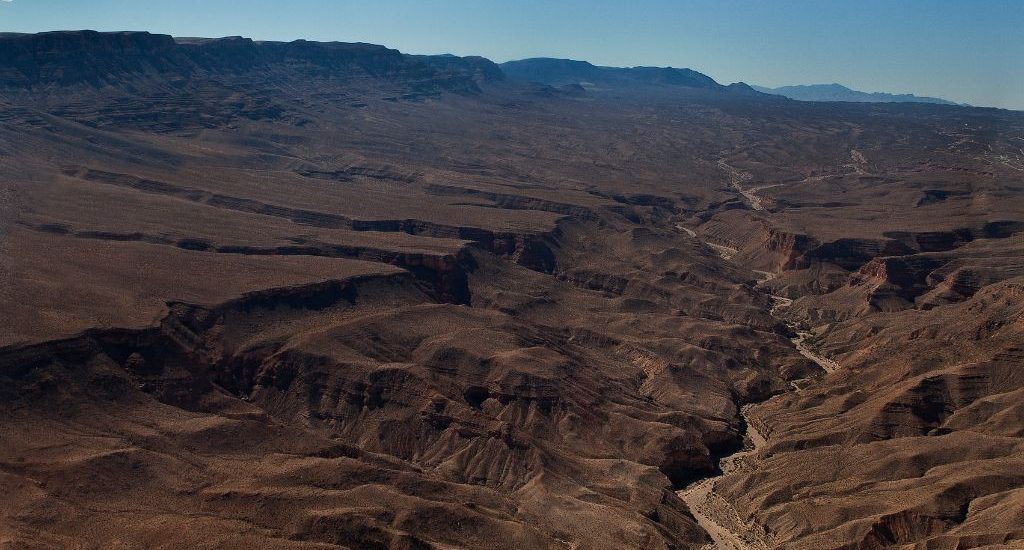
column 331, row 296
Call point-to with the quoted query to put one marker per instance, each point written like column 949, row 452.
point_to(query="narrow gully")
column 728, row 531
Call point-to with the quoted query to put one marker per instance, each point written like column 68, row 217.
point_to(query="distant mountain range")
column 562, row 73
column 838, row 92
column 89, row 58
column 569, row 72
column 37, row 61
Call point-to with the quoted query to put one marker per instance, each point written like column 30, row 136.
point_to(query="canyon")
column 331, row 295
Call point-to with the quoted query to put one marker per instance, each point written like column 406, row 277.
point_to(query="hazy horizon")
column 963, row 52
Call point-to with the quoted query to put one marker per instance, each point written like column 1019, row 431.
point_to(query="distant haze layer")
column 838, row 92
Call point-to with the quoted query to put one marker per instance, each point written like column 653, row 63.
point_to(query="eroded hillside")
column 308, row 296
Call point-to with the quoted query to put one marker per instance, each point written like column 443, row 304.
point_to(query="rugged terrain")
column 309, row 295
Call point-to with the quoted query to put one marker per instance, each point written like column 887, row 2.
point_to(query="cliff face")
column 45, row 60
column 479, row 69
column 62, row 58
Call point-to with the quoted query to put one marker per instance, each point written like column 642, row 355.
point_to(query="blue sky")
column 970, row 51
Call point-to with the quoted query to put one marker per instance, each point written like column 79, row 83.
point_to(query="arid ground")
column 323, row 295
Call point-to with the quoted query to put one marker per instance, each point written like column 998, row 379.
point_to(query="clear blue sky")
column 968, row 50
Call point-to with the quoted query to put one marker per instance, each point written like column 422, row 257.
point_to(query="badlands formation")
column 326, row 295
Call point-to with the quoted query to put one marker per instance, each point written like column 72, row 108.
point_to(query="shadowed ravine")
column 715, row 514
